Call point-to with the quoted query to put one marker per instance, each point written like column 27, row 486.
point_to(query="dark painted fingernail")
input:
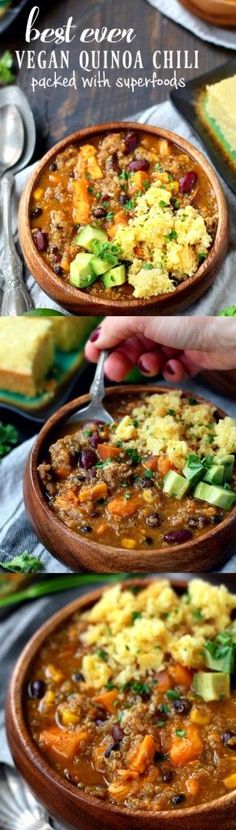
column 95, row 334
column 143, row 368
column 169, row 369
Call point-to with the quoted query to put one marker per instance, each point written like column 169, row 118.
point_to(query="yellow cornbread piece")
column 221, row 105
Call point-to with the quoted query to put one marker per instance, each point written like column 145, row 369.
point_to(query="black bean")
column 229, row 739
column 77, row 227
column 112, row 748
column 149, row 540
column 36, row 689
column 138, row 164
column 131, row 142
column 101, row 716
column 58, row 270
column 78, row 677
column 177, row 537
column 41, row 241
column 95, row 514
column 88, row 458
column 117, row 733
column 146, row 482
column 217, row 518
column 182, row 706
column 85, row 529
column 36, row 212
column 160, row 756
column 167, row 776
column 123, row 199
column 154, row 520
column 178, row 799
column 53, row 167
column 99, row 213
column 198, row 521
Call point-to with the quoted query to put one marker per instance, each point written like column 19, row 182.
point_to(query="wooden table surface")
column 59, row 112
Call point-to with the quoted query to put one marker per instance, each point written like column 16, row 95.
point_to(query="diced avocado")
column 88, row 235
column 193, row 472
column 228, row 462
column 100, row 266
column 226, row 499
column 175, row 485
column 211, row 685
column 116, row 276
column 81, row 271
column 215, row 474
column 224, row 663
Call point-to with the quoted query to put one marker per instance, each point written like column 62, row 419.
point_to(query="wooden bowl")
column 78, row 302
column 80, row 554
column 63, row 800
column 218, row 12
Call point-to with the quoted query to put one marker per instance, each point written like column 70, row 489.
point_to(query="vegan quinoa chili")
column 132, row 700
column 161, row 474
column 127, row 214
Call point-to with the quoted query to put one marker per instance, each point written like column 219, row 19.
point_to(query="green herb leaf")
column 23, row 563
column 9, row 437
column 102, row 654
column 181, row 733
column 172, row 694
column 6, row 64
column 136, row 615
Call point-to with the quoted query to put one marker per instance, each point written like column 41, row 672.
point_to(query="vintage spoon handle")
column 97, row 388
column 16, row 299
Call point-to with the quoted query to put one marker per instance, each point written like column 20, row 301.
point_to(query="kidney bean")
column 154, row 520
column 187, row 182
column 95, row 440
column 138, row 164
column 177, row 537
column 167, row 776
column 131, row 142
column 229, row 739
column 36, row 689
column 88, row 458
column 36, row 212
column 105, row 198
column 182, row 706
column 114, row 163
column 117, row 733
column 41, row 241
column 99, row 213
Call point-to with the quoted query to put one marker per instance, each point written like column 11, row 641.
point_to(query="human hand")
column 178, row 347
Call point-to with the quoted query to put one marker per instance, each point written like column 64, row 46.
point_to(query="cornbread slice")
column 221, row 106
column 69, row 332
column 26, row 354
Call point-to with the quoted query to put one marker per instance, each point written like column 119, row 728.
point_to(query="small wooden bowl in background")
column 201, row 554
column 80, row 302
column 218, row 12
column 62, row 799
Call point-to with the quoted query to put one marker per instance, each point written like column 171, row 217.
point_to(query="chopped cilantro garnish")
column 172, row 235
column 125, row 175
column 134, row 455
column 127, row 495
column 9, row 437
column 109, row 216
column 175, row 202
column 164, row 709
column 147, row 266
column 130, row 204
column 136, row 615
column 201, row 257
column 107, row 251
column 102, row 654
column 197, row 614
column 181, row 733
column 23, row 563
column 172, row 694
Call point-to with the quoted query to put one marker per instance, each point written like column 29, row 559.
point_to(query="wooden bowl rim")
column 125, row 556
column 16, row 709
column 46, row 278
column 219, row 16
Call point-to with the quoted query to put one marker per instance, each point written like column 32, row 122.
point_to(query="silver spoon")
column 95, row 410
column 19, row 810
column 16, row 299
